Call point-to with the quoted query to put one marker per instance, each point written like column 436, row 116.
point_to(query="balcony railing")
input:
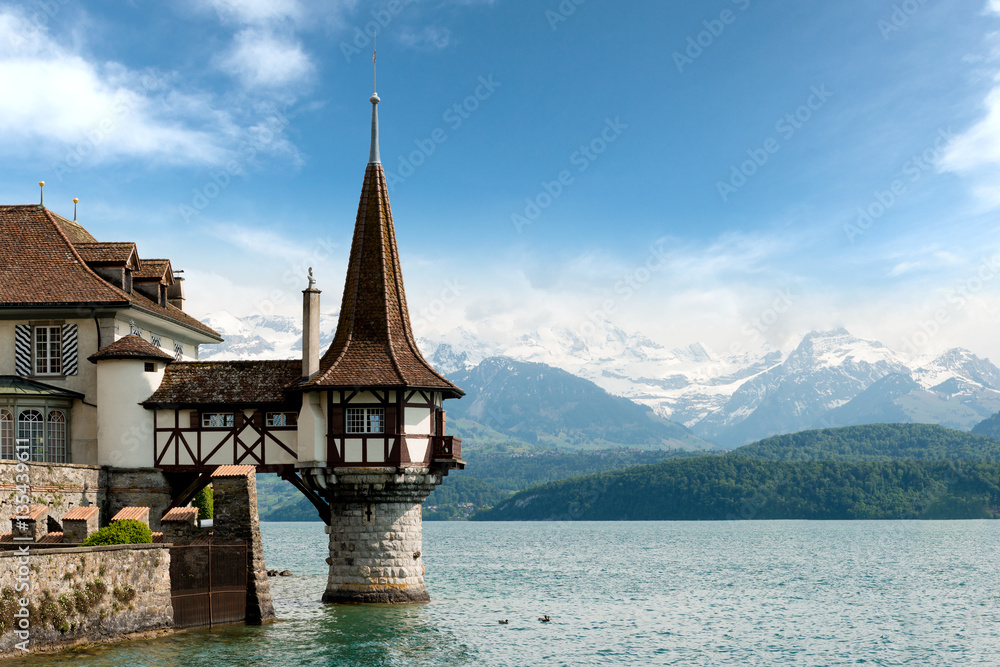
column 447, row 447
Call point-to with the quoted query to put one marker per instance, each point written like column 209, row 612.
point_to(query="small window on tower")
column 366, row 420
column 150, row 366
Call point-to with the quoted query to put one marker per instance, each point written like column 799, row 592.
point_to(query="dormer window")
column 366, row 420
column 127, row 282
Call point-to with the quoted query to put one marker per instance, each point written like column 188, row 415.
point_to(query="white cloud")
column 260, row 58
column 431, row 37
column 256, row 11
column 78, row 111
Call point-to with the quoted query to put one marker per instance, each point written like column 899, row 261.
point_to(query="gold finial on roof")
column 41, row 188
column 76, row 200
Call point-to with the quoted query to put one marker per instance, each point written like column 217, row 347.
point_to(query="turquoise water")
column 673, row 593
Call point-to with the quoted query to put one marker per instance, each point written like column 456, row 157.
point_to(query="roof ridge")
column 104, row 283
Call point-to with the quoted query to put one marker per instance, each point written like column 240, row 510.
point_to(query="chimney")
column 310, row 328
column 175, row 292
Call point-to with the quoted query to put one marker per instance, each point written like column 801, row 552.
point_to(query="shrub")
column 121, row 532
column 205, row 503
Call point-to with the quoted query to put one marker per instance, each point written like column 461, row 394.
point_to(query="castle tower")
column 374, row 413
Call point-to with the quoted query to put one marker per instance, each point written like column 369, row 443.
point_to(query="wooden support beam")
column 188, row 494
column 321, row 505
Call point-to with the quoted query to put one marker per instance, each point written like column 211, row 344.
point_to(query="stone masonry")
column 376, row 535
column 234, row 489
column 81, row 595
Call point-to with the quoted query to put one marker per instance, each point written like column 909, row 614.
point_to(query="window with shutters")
column 218, row 420
column 366, row 420
column 48, row 350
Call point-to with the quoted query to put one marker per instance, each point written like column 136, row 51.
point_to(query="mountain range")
column 831, row 378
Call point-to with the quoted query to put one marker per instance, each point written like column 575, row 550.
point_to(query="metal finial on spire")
column 76, row 200
column 41, row 193
column 374, row 67
column 373, row 157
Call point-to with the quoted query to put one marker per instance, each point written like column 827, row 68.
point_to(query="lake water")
column 671, row 593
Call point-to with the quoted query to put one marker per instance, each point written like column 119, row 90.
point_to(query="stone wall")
column 60, row 486
column 376, row 535
column 84, row 594
column 236, row 519
column 137, row 487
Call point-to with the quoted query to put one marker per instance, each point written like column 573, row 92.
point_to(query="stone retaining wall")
column 60, row 486
column 84, row 594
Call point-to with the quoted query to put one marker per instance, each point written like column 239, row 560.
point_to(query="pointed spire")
column 373, row 157
column 374, row 344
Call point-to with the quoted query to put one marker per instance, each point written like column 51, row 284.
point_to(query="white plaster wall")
column 417, row 420
column 353, row 448
column 376, row 451
column 417, row 448
column 125, row 428
column 311, row 434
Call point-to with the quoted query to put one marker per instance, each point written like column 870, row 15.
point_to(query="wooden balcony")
column 447, row 451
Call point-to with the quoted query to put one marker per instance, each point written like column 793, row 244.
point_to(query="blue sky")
column 694, row 171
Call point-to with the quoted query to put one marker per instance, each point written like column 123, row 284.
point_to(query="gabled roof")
column 374, row 344
column 110, row 254
column 155, row 269
column 225, row 382
column 12, row 385
column 130, row 347
column 40, row 266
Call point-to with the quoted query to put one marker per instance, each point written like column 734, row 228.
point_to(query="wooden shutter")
column 337, row 421
column 239, row 419
column 258, row 420
column 22, row 349
column 390, row 420
column 195, row 420
column 70, row 353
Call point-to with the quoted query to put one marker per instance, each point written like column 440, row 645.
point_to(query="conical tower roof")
column 374, row 344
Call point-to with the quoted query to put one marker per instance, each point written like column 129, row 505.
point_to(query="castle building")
column 99, row 366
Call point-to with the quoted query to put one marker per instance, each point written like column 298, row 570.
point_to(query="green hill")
column 874, row 442
column 880, row 471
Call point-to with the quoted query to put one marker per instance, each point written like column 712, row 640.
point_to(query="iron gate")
column 208, row 583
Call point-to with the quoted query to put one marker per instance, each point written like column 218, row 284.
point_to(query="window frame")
column 359, row 420
column 288, row 419
column 47, row 360
column 228, row 421
column 8, row 445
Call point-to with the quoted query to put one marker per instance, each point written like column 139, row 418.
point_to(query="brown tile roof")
column 130, row 347
column 157, row 538
column 234, row 471
column 73, row 230
column 180, row 514
column 39, row 266
column 35, row 512
column 374, row 343
column 51, row 538
column 80, row 513
column 109, row 253
column 6, row 537
column 225, row 382
column 154, row 268
column 134, row 513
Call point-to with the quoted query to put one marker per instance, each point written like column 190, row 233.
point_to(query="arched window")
column 30, row 429
column 7, row 435
column 56, row 449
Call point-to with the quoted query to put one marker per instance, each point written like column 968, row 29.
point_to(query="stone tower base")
column 376, row 535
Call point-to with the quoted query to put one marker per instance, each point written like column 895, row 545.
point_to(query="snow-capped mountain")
column 830, row 379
